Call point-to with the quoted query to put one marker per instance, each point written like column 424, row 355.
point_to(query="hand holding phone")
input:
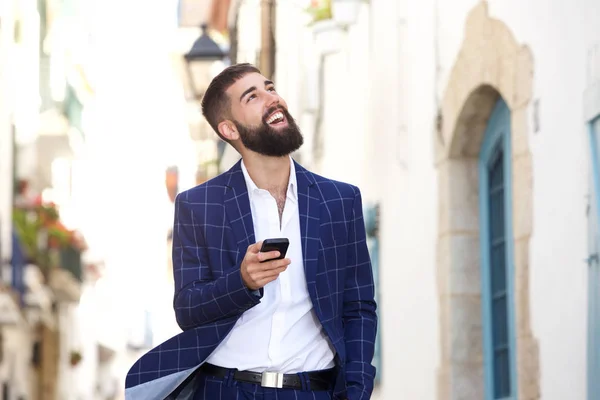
column 263, row 262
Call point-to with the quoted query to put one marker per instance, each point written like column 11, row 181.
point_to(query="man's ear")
column 228, row 130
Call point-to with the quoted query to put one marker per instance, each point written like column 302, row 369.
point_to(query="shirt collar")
column 292, row 191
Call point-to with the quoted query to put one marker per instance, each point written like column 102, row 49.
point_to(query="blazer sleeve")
column 199, row 298
column 359, row 315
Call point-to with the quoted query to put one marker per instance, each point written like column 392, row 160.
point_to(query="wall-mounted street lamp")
column 200, row 63
column 199, row 59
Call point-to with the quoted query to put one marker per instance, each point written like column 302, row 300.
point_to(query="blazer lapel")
column 309, row 203
column 237, row 208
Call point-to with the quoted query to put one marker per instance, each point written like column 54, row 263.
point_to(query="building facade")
column 46, row 266
column 472, row 125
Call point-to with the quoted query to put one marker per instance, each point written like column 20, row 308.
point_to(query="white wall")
column 559, row 35
column 68, row 342
column 345, row 128
column 403, row 72
column 6, row 108
column 374, row 137
column 380, row 107
column 16, row 365
column 249, row 32
column 371, row 140
column 17, row 340
column 560, row 158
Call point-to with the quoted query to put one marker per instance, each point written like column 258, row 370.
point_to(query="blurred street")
column 472, row 128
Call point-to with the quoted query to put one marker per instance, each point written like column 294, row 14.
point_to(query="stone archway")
column 490, row 64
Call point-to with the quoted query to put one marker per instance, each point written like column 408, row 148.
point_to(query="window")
column 495, row 194
column 372, row 218
column 594, row 267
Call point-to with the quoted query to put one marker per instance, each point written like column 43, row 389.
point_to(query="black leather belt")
column 319, row 380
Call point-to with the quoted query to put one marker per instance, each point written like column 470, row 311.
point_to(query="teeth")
column 275, row 117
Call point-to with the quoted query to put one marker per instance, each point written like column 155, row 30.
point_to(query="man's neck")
column 269, row 173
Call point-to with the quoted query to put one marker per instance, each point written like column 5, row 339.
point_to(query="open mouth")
column 276, row 118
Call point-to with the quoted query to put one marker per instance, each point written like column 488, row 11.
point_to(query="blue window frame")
column 594, row 267
column 371, row 215
column 497, row 269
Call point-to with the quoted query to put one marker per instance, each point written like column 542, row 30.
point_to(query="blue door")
column 594, row 268
column 497, row 266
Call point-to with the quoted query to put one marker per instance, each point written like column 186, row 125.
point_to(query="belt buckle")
column 271, row 380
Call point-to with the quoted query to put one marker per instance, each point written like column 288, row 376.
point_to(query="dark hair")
column 216, row 103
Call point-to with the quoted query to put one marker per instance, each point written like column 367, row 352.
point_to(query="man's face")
column 261, row 117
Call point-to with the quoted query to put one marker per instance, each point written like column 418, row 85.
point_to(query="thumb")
column 255, row 248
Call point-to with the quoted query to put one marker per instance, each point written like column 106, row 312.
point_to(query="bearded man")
column 258, row 325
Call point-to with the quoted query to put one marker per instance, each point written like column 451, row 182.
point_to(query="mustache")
column 271, row 110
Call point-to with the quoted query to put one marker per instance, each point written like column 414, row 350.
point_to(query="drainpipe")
column 267, row 35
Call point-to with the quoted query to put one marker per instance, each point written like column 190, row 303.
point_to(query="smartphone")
column 276, row 244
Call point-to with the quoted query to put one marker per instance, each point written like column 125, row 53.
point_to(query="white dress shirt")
column 282, row 333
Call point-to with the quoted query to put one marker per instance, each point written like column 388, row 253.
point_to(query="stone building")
column 472, row 124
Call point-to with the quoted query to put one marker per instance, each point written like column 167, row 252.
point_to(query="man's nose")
column 272, row 99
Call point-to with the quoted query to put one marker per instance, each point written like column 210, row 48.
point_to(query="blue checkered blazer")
column 212, row 231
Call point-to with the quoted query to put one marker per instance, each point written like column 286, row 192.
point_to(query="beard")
column 269, row 141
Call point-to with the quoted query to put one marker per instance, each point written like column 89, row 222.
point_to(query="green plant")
column 75, row 357
column 27, row 226
column 42, row 235
column 320, row 10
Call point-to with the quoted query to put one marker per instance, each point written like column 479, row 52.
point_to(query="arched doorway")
column 482, row 156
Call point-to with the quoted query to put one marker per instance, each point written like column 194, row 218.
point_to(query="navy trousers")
column 212, row 388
